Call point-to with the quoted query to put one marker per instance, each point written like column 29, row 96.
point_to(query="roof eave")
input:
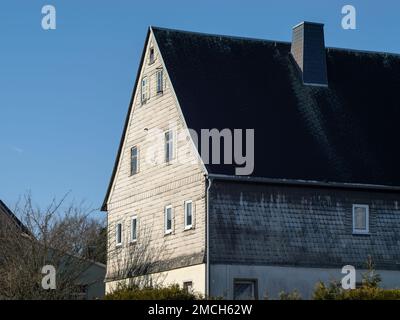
column 307, row 183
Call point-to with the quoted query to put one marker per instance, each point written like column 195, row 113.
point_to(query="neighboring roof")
column 345, row 133
column 8, row 213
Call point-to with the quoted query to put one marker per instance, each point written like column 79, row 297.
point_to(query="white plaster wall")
column 196, row 274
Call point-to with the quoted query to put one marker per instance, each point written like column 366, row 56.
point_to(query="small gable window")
column 168, row 219
column 134, row 161
column 188, row 286
column 169, row 145
column 152, row 56
column 188, row 214
column 360, row 219
column 118, row 234
column 160, row 81
column 134, row 229
column 145, row 90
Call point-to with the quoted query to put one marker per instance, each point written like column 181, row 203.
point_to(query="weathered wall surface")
column 255, row 224
column 157, row 183
column 271, row 280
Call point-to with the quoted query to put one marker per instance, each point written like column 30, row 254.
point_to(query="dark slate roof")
column 346, row 133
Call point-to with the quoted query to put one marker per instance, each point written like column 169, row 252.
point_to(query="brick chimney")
column 308, row 50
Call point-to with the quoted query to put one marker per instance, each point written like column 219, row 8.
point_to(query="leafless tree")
column 64, row 236
column 138, row 263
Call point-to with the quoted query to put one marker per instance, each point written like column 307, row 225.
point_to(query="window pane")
column 360, row 218
column 134, row 160
column 151, row 56
column 168, row 146
column 188, row 286
column 243, row 290
column 188, row 214
column 144, row 89
column 168, row 219
column 134, row 226
column 119, row 233
column 160, row 81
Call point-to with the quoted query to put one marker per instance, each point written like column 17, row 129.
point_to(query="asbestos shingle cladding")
column 296, row 226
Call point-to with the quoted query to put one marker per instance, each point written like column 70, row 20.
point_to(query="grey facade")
column 299, row 228
column 325, row 124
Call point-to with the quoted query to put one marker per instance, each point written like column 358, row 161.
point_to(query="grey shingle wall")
column 300, row 226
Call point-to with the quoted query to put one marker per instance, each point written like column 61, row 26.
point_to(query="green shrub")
column 294, row 295
column 334, row 292
column 133, row 292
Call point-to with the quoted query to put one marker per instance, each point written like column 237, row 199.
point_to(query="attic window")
column 360, row 219
column 152, row 57
column 145, row 90
column 160, row 81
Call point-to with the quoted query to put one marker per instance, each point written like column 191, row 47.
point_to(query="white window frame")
column 118, row 244
column 160, row 81
column 358, row 231
column 168, row 231
column 188, row 227
column 171, row 141
column 152, row 58
column 134, row 218
column 137, row 161
column 252, row 282
column 144, row 89
column 191, row 285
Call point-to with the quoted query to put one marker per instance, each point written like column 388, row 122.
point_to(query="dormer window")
column 145, row 94
column 152, row 56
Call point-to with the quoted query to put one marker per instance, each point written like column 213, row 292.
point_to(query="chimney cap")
column 309, row 23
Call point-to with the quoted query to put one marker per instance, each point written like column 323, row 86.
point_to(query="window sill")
column 188, row 228
column 119, row 245
column 167, row 233
column 132, row 242
column 360, row 233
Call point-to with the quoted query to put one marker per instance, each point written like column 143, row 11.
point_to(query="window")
column 160, row 81
column 188, row 214
column 245, row 290
column 360, row 218
column 152, row 56
column 168, row 219
column 145, row 94
column 169, row 145
column 134, row 229
column 134, row 161
column 188, row 286
column 118, row 234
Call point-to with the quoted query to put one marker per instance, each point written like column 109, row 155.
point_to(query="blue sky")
column 64, row 93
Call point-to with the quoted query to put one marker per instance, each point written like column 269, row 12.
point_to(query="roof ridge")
column 364, row 51
column 270, row 41
column 221, row 35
